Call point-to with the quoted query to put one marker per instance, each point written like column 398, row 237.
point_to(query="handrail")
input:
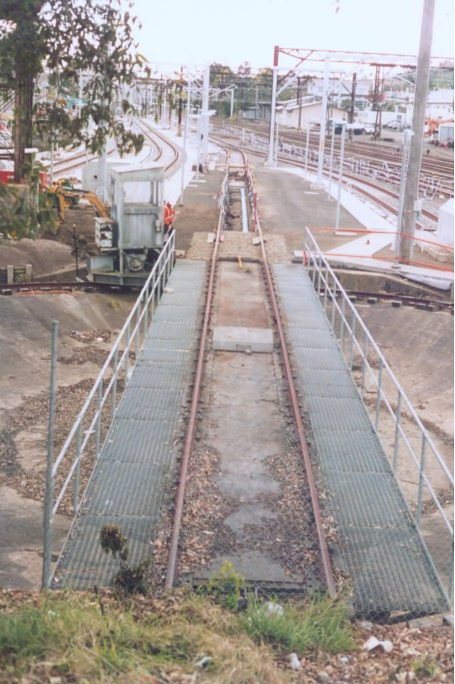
column 354, row 338
column 91, row 426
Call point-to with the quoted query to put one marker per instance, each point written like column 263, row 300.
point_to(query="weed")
column 426, row 667
column 130, row 580
column 26, row 634
column 319, row 623
column 226, row 586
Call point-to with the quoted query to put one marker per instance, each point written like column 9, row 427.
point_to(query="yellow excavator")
column 64, row 195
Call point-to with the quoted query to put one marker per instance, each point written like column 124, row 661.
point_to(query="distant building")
column 293, row 114
column 440, row 104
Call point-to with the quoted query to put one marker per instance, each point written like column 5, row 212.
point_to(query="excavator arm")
column 65, row 196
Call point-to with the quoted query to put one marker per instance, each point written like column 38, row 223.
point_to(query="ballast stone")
column 242, row 339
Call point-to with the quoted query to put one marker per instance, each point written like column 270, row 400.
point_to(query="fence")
column 68, row 475
column 430, row 186
column 419, row 467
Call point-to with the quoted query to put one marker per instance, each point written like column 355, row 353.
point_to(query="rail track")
column 223, row 305
column 157, row 142
column 246, row 491
column 379, row 162
column 57, row 287
column 372, row 176
column 363, row 186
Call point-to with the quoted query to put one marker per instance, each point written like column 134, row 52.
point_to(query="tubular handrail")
column 375, row 347
column 413, row 437
column 104, row 387
column 107, row 363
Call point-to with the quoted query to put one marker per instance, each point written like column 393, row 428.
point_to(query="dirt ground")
column 87, row 328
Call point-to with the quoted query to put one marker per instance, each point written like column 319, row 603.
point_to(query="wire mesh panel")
column 133, row 466
column 378, row 540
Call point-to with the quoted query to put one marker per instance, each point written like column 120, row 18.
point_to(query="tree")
column 94, row 38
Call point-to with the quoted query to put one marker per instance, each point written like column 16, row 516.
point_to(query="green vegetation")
column 98, row 638
column 89, row 51
column 319, row 623
column 226, row 586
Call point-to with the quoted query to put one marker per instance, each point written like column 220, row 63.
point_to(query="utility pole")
column 411, row 187
column 299, row 102
column 205, row 115
column 180, row 104
column 323, row 124
column 270, row 159
column 352, row 107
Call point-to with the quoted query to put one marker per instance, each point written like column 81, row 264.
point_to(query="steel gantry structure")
column 374, row 60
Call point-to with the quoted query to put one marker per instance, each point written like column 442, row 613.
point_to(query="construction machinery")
column 64, row 195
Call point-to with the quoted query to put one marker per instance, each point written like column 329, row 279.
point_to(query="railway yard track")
column 370, row 296
column 240, row 488
column 159, row 148
column 236, row 481
column 252, row 525
column 263, row 513
column 370, row 170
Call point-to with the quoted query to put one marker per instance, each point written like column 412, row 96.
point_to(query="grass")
column 316, row 624
column 79, row 637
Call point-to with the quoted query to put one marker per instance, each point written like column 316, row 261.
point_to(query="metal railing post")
column 127, row 350
column 364, row 362
column 313, row 260
column 343, row 319
column 378, row 398
column 334, row 303
column 421, row 482
column 326, row 287
column 114, row 384
column 48, row 514
column 353, row 330
column 137, row 328
column 397, row 433
column 98, row 419
column 319, row 278
column 146, row 311
column 77, row 474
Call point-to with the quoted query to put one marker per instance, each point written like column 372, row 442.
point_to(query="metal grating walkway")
column 379, row 545
column 129, row 481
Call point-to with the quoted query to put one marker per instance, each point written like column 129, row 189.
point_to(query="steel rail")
column 191, row 430
column 325, row 556
column 356, row 179
column 190, row 435
column 153, row 132
column 403, row 299
column 62, row 287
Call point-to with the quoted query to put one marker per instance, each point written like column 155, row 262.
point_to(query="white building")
column 292, row 114
column 440, row 104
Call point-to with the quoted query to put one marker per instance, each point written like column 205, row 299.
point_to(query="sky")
column 231, row 32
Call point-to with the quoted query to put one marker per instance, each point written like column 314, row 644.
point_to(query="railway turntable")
column 241, row 437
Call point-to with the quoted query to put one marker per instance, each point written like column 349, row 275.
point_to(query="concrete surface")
column 243, row 417
column 229, row 338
